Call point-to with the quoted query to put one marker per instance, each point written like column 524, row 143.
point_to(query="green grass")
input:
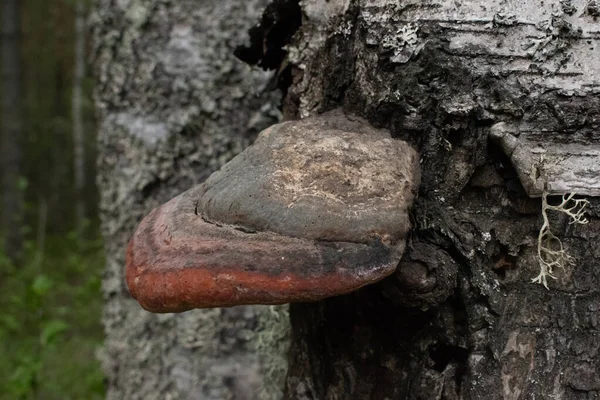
column 50, row 329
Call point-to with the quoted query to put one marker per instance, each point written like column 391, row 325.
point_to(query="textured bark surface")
column 173, row 105
column 461, row 318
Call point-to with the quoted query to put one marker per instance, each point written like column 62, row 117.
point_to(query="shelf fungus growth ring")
column 314, row 208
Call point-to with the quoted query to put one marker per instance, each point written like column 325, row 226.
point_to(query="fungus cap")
column 314, row 208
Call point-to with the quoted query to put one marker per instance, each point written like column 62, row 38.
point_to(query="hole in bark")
column 505, row 169
column 280, row 20
column 444, row 354
column 150, row 188
column 503, row 262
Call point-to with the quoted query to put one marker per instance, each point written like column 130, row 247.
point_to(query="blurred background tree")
column 12, row 127
column 51, row 254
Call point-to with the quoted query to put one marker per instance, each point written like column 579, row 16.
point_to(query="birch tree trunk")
column 11, row 129
column 173, row 105
column 461, row 318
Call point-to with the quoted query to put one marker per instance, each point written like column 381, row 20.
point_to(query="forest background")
column 51, row 256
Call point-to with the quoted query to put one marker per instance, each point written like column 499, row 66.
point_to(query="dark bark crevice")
column 280, row 21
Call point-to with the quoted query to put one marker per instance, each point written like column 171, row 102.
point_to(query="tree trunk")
column 461, row 317
column 173, row 105
column 11, row 130
column 77, row 116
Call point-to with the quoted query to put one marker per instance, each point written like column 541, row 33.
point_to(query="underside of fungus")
column 314, row 208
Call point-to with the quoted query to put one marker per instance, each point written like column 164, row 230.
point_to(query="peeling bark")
column 551, row 167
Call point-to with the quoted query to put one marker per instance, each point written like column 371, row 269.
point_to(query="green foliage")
column 50, row 328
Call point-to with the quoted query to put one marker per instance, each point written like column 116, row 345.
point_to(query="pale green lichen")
column 550, row 249
column 272, row 345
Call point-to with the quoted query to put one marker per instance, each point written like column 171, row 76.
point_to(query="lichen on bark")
column 173, row 105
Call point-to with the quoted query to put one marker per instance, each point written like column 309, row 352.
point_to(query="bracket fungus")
column 314, row 208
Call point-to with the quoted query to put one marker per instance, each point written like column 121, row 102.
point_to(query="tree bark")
column 461, row 318
column 11, row 130
column 173, row 105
